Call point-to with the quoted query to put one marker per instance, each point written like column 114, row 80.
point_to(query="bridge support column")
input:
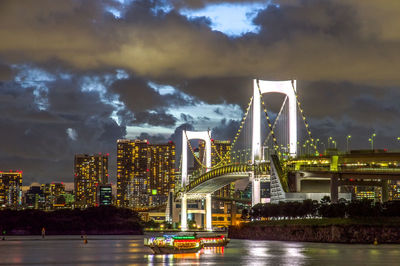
column 184, row 213
column 208, row 213
column 334, row 188
column 298, row 182
column 385, row 190
column 255, row 191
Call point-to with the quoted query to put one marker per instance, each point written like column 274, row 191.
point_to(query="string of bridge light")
column 215, row 149
column 304, row 119
column 194, row 155
column 276, row 146
column 239, row 130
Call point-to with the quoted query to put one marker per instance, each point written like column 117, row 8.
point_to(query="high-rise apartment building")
column 11, row 189
column 162, row 172
column 90, row 172
column 145, row 172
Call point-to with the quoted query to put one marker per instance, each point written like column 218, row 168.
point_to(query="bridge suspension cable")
column 237, row 133
column 276, row 146
column 276, row 121
column 215, row 149
column 194, row 155
column 312, row 143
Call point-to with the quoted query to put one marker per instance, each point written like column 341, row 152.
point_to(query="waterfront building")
column 105, row 195
column 53, row 193
column 11, row 189
column 90, row 172
column 145, row 172
column 34, row 198
column 162, row 172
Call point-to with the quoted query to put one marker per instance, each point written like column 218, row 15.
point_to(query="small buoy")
column 85, row 239
column 375, row 241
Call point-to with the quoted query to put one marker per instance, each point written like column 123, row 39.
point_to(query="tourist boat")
column 214, row 241
column 168, row 244
column 173, row 244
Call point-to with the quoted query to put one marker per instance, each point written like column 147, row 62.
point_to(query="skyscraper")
column 90, row 172
column 145, row 172
column 131, row 171
column 10, row 189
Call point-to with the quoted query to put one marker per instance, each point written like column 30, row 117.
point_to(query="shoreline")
column 349, row 231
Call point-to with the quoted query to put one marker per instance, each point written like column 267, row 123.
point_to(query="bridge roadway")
column 219, row 177
column 349, row 169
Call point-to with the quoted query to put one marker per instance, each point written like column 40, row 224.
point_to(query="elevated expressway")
column 352, row 169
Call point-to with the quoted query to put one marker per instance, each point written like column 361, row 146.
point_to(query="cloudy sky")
column 77, row 75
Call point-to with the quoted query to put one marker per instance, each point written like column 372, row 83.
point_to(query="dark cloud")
column 5, row 72
column 187, row 118
column 226, row 130
column 42, row 142
column 345, row 54
column 307, row 40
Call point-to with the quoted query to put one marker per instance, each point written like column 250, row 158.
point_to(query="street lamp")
column 329, row 141
column 347, row 142
column 371, row 139
column 334, row 143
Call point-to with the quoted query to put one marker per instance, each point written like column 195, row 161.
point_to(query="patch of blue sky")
column 203, row 110
column 204, row 117
column 231, row 19
column 117, row 9
column 133, row 132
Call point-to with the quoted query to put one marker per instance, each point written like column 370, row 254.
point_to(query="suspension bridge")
column 266, row 150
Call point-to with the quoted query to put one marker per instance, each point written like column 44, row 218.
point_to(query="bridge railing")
column 326, row 168
column 261, row 168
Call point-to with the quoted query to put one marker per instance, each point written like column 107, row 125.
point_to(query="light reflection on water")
column 129, row 250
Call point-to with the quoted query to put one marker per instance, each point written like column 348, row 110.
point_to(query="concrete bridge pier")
column 334, row 188
column 208, row 213
column 255, row 193
column 385, row 190
column 184, row 226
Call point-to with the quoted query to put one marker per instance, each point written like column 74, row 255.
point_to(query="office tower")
column 11, row 189
column 90, row 172
column 105, row 195
column 145, row 172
